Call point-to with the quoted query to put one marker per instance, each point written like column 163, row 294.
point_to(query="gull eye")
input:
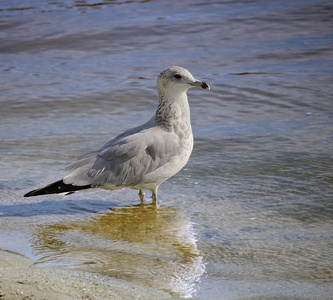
column 178, row 76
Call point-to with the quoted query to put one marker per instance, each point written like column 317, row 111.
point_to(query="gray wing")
column 125, row 160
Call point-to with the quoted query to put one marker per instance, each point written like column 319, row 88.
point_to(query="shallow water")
column 250, row 216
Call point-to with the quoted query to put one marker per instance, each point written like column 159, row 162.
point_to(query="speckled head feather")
column 177, row 80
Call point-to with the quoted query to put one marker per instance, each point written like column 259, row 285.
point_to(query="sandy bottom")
column 19, row 279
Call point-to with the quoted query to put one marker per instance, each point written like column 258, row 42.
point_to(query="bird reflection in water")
column 145, row 244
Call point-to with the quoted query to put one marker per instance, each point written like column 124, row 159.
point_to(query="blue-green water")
column 249, row 217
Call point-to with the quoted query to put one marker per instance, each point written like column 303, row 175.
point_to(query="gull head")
column 178, row 80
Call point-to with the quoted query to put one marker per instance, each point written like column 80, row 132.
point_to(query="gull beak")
column 201, row 84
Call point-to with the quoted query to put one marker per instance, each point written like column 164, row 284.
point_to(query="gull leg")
column 141, row 195
column 154, row 195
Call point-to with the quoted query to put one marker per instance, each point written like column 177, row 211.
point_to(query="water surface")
column 249, row 217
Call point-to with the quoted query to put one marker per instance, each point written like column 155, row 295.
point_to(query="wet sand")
column 21, row 280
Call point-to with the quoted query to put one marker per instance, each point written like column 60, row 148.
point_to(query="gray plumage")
column 145, row 156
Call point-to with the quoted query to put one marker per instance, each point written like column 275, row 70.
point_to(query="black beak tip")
column 205, row 86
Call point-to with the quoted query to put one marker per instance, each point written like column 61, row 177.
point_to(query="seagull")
column 143, row 157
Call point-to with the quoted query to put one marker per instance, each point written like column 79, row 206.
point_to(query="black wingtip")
column 57, row 187
column 30, row 194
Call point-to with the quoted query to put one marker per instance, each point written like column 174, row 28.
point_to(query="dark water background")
column 249, row 217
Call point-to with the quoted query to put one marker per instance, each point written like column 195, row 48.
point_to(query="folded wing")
column 125, row 160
